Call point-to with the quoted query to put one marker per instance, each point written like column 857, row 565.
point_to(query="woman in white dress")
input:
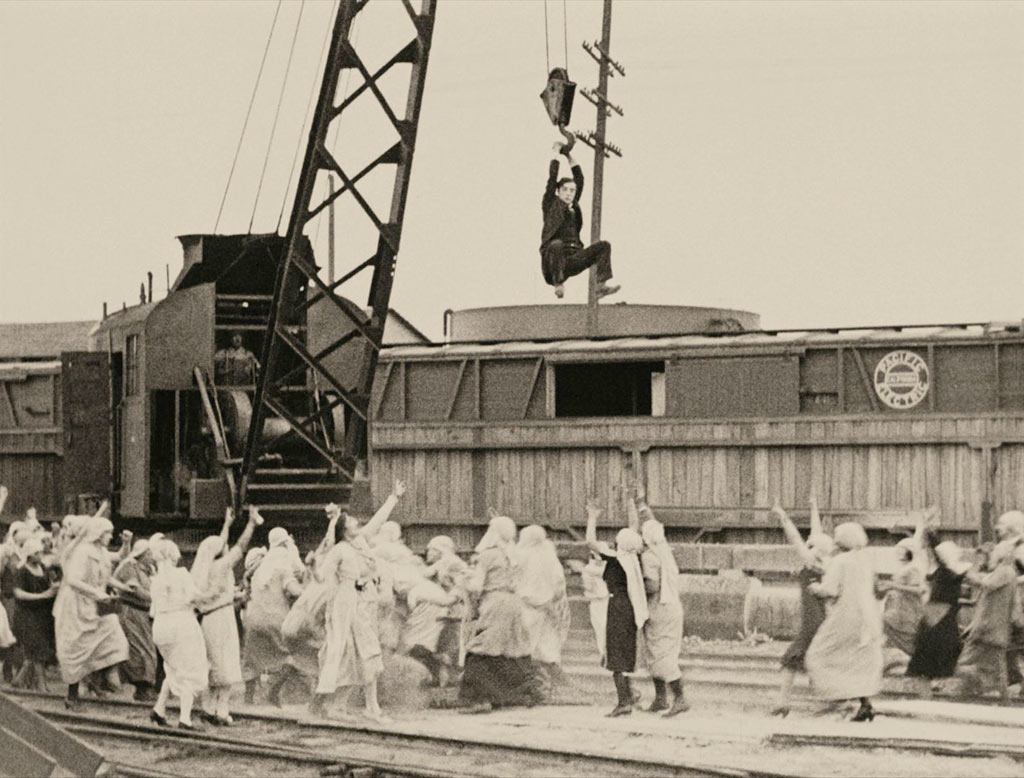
column 541, row 587
column 844, row 659
column 177, row 635
column 351, row 654
column 214, row 578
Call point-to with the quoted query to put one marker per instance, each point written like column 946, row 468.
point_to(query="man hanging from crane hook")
column 561, row 251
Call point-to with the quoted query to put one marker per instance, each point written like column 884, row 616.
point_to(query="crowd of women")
column 850, row 620
column 331, row 621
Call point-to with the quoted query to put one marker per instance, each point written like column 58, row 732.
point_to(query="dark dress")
column 937, row 647
column 812, row 613
column 620, row 635
column 33, row 619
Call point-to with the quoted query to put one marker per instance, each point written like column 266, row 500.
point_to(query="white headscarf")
column 205, row 554
column 628, row 545
column 950, row 555
column 850, row 536
column 501, row 533
column 253, row 557
column 542, row 577
column 653, row 533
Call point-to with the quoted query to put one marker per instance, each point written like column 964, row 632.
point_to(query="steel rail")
column 590, row 762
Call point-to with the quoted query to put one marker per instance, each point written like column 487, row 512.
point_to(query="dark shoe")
column 660, row 702
column 187, row 727
column 619, row 710
column 559, row 291
column 209, row 718
column 864, row 713
column 72, row 703
column 782, row 711
column 678, row 706
column 156, row 718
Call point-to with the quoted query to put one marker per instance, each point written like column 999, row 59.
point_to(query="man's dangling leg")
column 598, row 256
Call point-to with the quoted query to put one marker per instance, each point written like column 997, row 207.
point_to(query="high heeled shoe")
column 864, row 713
column 156, row 718
column 782, row 711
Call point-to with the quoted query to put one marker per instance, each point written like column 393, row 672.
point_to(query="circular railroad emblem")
column 901, row 379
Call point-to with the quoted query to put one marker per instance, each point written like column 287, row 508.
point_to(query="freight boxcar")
column 879, row 422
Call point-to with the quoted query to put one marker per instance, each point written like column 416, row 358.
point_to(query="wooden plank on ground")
column 49, row 740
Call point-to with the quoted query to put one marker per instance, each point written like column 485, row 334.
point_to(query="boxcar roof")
column 757, row 339
column 38, row 340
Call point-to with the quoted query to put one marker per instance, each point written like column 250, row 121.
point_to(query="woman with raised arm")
column 275, row 585
column 351, row 655
column 937, row 646
column 844, row 659
column 304, row 628
column 627, row 602
column 498, row 670
column 663, row 632
column 904, row 595
column 177, row 635
column 813, row 555
column 213, row 573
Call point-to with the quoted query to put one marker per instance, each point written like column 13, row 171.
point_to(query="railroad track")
column 335, row 749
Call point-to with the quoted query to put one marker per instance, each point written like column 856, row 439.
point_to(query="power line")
column 252, row 99
column 302, row 131
column 277, row 113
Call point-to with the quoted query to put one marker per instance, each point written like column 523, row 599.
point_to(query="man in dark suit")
column 561, row 251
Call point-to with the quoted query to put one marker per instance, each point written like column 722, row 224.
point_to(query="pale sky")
column 823, row 164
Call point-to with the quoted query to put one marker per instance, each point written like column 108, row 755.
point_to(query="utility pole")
column 330, row 231
column 596, row 140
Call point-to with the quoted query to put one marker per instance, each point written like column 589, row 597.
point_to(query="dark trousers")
column 561, row 260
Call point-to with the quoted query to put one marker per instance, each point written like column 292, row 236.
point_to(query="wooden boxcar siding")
column 33, row 480
column 706, row 383
column 544, row 471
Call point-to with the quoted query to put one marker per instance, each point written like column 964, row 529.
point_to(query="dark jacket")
column 555, row 212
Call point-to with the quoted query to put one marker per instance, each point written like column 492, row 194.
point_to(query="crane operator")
column 561, row 251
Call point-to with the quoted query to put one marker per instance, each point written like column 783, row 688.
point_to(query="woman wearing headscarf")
column 177, row 635
column 33, row 617
column 213, row 573
column 844, row 659
column 446, row 567
column 89, row 635
column 627, row 603
column 937, row 646
column 542, row 590
column 275, row 586
column 904, row 594
column 813, row 555
column 498, row 671
column 136, row 571
column 663, row 632
column 351, row 654
column 304, row 629
column 982, row 665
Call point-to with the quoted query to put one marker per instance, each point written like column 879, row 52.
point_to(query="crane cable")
column 565, row 33
column 305, row 121
column 277, row 114
column 248, row 113
column 565, row 37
